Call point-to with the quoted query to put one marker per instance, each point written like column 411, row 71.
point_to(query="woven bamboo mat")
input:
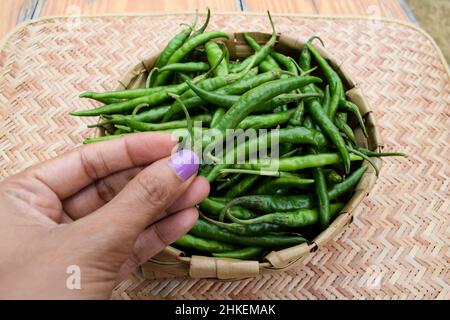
column 397, row 246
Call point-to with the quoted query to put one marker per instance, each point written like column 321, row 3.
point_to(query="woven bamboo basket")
column 172, row 262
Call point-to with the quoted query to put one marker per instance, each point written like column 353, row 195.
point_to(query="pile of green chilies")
column 250, row 212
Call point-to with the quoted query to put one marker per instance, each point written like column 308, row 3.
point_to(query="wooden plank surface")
column 57, row 7
column 282, row 6
column 13, row 12
column 375, row 8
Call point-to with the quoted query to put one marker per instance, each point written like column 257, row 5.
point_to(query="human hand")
column 105, row 207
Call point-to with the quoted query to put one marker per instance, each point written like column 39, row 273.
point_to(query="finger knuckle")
column 136, row 259
column 105, row 190
column 153, row 190
column 161, row 236
column 94, row 165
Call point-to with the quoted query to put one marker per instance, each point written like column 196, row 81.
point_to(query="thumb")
column 150, row 192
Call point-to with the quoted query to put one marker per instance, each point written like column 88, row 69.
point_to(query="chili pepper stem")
column 362, row 155
column 186, row 113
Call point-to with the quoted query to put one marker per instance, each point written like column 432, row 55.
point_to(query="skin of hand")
column 105, row 207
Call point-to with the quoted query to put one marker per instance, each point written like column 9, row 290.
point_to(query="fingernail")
column 184, row 163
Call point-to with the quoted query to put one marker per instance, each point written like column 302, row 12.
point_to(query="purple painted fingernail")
column 184, row 163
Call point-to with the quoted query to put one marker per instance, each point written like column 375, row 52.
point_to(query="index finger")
column 71, row 172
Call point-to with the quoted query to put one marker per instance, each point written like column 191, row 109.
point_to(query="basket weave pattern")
column 397, row 245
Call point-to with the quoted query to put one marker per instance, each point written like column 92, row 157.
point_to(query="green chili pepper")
column 297, row 163
column 281, row 108
column 124, row 129
column 221, row 83
column 213, row 206
column 320, row 186
column 229, row 182
column 242, row 254
column 186, row 67
column 204, row 169
column 151, row 115
column 219, row 99
column 208, row 230
column 297, row 118
column 365, row 157
column 205, row 245
column 263, row 52
column 242, row 187
column 281, row 101
column 247, row 83
column 268, row 63
column 173, row 46
column 212, row 97
column 203, row 27
column 345, row 186
column 279, row 174
column 296, row 135
column 320, row 116
column 256, row 229
column 233, row 66
column 305, row 59
column 381, row 154
column 334, row 101
column 253, row 98
column 103, row 138
column 209, row 85
column 213, row 53
column 120, row 132
column 341, row 123
column 185, row 49
column 218, row 114
column 145, row 126
column 271, row 203
column 291, row 219
column 301, row 135
column 308, row 123
column 216, row 84
column 285, row 61
column 121, row 95
column 266, row 120
column 326, row 98
column 332, row 176
column 292, row 181
column 150, row 100
column 349, row 106
column 336, row 86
